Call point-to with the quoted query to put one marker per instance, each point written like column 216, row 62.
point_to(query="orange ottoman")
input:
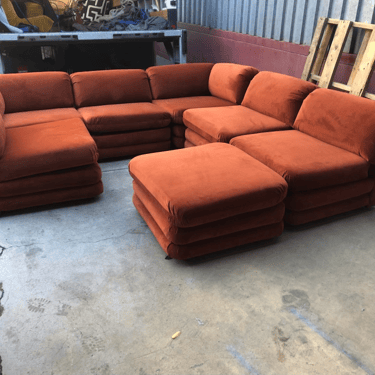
column 204, row 199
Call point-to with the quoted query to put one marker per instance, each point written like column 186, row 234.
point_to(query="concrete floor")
column 87, row 291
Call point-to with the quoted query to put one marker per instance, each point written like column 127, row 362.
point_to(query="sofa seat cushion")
column 35, row 91
column 48, row 147
column 13, row 120
column 124, row 117
column 62, row 179
column 305, row 162
column 277, row 95
column 223, row 124
column 178, row 81
column 105, row 87
column 195, row 139
column 341, row 120
column 203, row 184
column 230, row 81
column 176, row 107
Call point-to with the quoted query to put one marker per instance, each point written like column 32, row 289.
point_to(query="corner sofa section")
column 46, row 153
column 177, row 88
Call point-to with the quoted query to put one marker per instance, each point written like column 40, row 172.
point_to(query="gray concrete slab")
column 87, row 291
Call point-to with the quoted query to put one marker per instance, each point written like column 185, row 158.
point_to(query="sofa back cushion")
column 36, row 91
column 230, row 81
column 277, row 95
column 179, row 81
column 110, row 87
column 340, row 119
column 2, row 137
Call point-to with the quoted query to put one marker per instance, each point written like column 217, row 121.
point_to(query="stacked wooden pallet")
column 324, row 56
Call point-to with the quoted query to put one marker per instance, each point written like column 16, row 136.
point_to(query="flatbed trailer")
column 175, row 41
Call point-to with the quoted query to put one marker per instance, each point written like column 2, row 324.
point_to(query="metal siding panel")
column 310, row 22
column 261, row 17
column 231, row 14
column 270, row 19
column 238, row 16
column 279, row 19
column 253, row 17
column 289, row 18
column 366, row 11
column 299, row 21
column 324, row 7
column 337, row 9
column 245, row 17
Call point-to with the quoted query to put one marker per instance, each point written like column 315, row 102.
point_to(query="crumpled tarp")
column 137, row 20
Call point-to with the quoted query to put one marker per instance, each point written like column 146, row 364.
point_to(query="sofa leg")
column 168, row 257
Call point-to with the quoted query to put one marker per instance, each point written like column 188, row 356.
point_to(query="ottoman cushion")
column 203, row 184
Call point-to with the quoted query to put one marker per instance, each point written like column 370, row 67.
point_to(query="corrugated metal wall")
column 287, row 20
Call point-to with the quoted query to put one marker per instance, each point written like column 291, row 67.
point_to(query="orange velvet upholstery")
column 223, row 124
column 2, row 104
column 65, row 178
column 341, row 120
column 36, row 91
column 14, row 120
column 51, row 196
column 210, row 245
column 203, row 199
column 178, row 81
column 2, row 137
column 195, row 139
column 183, row 236
column 305, row 162
column 277, row 95
column 43, row 148
column 103, row 87
column 121, row 151
column 230, row 81
column 321, row 212
column 177, row 106
column 124, row 117
column 222, row 184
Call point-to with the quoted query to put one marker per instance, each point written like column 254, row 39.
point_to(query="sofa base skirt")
column 195, row 138
column 115, row 152
column 49, row 197
column 188, row 144
column 306, row 216
column 209, row 245
column 178, row 142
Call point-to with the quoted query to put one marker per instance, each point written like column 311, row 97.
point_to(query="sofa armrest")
column 2, row 137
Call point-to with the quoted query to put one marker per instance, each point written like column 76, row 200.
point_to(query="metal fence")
column 287, row 20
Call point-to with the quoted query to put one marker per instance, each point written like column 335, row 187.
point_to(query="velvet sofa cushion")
column 35, row 91
column 178, row 81
column 208, row 183
column 277, row 95
column 223, row 124
column 177, row 106
column 110, row 87
column 193, row 138
column 62, row 179
column 230, row 81
column 45, row 148
column 306, row 163
column 341, row 120
column 2, row 137
column 14, row 120
column 217, row 228
column 124, row 117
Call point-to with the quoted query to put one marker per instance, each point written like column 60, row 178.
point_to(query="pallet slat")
column 335, row 53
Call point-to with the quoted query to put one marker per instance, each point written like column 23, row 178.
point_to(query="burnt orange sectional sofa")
column 272, row 148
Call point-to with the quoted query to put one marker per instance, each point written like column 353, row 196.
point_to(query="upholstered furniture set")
column 272, row 148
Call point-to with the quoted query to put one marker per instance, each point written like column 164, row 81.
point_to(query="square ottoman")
column 204, row 199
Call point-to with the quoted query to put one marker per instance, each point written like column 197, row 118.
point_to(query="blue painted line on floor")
column 242, row 360
column 330, row 340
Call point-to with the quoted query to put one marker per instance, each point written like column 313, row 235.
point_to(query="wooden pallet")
column 321, row 66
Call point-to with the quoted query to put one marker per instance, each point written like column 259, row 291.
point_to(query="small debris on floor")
column 178, row 333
